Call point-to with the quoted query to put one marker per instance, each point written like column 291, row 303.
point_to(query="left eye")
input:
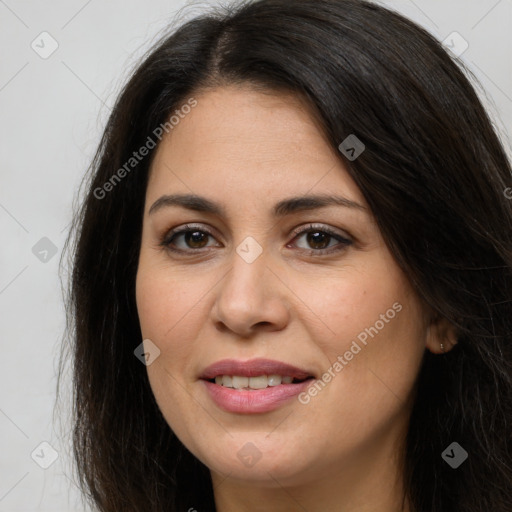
column 320, row 240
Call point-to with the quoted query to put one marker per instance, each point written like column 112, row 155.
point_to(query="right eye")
column 193, row 237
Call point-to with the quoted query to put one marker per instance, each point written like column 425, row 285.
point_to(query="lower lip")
column 257, row 401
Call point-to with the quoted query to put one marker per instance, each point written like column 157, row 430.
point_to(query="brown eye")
column 196, row 239
column 318, row 239
column 321, row 240
column 187, row 239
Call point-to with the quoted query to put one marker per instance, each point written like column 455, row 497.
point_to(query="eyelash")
column 170, row 237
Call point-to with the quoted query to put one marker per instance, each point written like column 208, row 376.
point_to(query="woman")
column 292, row 274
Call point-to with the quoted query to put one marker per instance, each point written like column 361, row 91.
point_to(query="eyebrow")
column 281, row 209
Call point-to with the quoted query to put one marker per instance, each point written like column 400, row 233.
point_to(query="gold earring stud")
column 442, row 348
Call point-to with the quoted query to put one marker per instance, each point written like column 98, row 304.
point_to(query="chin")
column 258, row 458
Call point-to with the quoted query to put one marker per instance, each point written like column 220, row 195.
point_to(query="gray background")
column 53, row 111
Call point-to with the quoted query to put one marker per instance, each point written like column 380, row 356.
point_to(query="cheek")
column 167, row 316
column 168, row 312
column 370, row 323
column 344, row 306
column 165, row 302
column 363, row 314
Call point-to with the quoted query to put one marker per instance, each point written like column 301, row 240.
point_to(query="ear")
column 441, row 335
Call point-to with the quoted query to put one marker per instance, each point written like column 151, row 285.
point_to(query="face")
column 252, row 275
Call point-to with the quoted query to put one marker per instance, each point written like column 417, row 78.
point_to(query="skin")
column 341, row 451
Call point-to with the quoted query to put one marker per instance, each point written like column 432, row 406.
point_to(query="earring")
column 442, row 348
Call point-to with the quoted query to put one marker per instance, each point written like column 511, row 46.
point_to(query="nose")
column 251, row 298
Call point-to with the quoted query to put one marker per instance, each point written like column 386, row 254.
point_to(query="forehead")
column 241, row 143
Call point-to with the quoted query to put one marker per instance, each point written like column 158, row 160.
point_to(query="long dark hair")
column 434, row 175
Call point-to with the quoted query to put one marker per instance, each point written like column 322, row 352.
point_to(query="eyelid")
column 321, row 227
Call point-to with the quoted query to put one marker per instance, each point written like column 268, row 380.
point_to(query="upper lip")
column 253, row 368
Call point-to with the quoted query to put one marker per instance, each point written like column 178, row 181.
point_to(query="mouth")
column 254, row 368
column 254, row 386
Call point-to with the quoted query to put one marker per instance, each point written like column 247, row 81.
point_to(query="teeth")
column 274, row 380
column 239, row 382
column 219, row 379
column 260, row 382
